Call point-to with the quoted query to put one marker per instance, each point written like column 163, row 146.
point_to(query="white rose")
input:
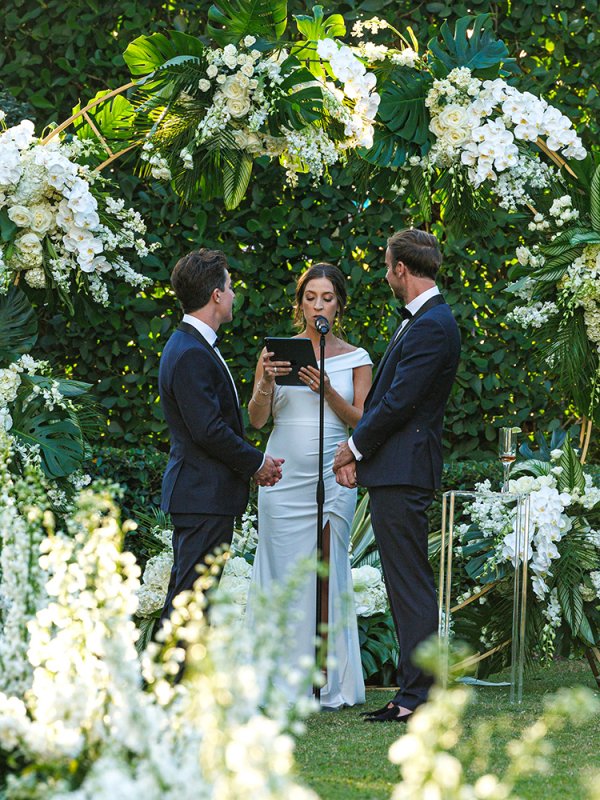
column 249, row 41
column 20, row 215
column 233, row 89
column 238, row 108
column 453, row 116
column 203, row 85
column 248, row 70
column 42, row 219
column 212, row 71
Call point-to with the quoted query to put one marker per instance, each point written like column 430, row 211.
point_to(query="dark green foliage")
column 57, row 53
column 18, row 325
column 138, row 471
column 472, row 44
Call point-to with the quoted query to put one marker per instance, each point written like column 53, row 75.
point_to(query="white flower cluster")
column 433, row 769
column 21, row 578
column 562, row 210
column 11, row 381
column 580, row 287
column 595, row 576
column 235, row 583
column 206, row 736
column 64, row 225
column 245, row 87
column 155, row 582
column 373, row 25
column 534, row 315
column 549, row 498
column 370, row 596
column 479, row 124
column 359, row 88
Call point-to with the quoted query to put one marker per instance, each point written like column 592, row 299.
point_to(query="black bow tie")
column 405, row 313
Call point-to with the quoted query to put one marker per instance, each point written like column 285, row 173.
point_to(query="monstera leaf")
column 55, row 433
column 112, row 118
column 388, row 149
column 147, row 53
column 402, row 105
column 473, row 44
column 229, row 21
column 18, row 325
column 314, row 29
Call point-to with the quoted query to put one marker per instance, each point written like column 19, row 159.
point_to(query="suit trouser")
column 399, row 518
column 194, row 537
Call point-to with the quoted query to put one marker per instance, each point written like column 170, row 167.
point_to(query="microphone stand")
column 322, row 651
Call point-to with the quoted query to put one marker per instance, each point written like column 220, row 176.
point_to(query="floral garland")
column 245, row 94
column 61, row 227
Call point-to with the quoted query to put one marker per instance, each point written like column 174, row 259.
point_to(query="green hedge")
column 57, row 52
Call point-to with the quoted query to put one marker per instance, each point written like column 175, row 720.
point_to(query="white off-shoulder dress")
column 287, row 528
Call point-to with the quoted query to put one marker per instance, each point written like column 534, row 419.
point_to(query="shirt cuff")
column 355, row 450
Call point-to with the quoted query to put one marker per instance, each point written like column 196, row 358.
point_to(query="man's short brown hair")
column 197, row 275
column 418, row 250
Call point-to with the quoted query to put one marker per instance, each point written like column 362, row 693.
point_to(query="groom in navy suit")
column 396, row 451
column 206, row 483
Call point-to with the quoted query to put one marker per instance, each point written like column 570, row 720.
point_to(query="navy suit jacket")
column 400, row 433
column 210, row 463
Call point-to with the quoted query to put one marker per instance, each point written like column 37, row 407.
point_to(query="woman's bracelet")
column 256, row 403
column 260, row 391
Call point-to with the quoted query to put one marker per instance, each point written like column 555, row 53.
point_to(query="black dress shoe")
column 392, row 714
column 375, row 713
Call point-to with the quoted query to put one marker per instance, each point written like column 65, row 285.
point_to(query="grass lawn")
column 341, row 757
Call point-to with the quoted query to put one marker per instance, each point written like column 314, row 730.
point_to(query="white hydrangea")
column 370, row 596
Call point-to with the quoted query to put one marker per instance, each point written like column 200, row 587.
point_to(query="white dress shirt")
column 413, row 307
column 211, row 337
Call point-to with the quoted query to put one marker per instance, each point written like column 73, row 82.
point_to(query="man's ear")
column 216, row 295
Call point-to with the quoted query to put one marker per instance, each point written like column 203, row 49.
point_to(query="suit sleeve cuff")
column 357, row 454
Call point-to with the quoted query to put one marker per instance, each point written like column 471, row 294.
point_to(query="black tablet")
column 299, row 352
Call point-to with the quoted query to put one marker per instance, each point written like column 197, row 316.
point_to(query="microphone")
column 322, row 324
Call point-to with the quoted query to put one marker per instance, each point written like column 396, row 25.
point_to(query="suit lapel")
column 436, row 300
column 187, row 328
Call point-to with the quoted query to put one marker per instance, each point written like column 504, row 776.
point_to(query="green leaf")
column 18, row 325
column 113, row 118
column 237, row 169
column 586, row 238
column 532, row 466
column 388, row 149
column 402, row 105
column 473, row 44
column 572, row 476
column 229, row 21
column 595, row 200
column 146, row 53
column 314, row 29
column 59, row 438
column 7, row 226
column 571, row 602
column 67, row 388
